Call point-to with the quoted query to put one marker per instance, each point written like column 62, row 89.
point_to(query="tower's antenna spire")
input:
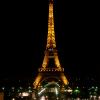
column 51, row 33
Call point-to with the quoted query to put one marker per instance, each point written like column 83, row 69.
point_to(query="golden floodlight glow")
column 45, row 61
column 51, row 33
column 38, row 79
column 57, row 62
column 51, row 63
column 64, row 79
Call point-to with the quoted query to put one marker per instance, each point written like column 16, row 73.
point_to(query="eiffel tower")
column 51, row 67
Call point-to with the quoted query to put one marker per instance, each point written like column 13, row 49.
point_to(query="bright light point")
column 3, row 88
column 94, row 96
column 46, row 97
column 13, row 99
column 90, row 96
column 41, row 91
column 76, row 90
column 99, row 97
column 78, row 99
column 42, row 98
column 69, row 90
column 24, row 94
column 56, row 91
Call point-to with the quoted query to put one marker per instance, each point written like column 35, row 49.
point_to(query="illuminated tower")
column 51, row 67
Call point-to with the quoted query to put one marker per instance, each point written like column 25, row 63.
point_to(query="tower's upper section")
column 51, row 56
column 51, row 33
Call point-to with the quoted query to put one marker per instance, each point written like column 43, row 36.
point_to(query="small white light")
column 25, row 94
column 42, row 98
column 13, row 98
column 98, row 97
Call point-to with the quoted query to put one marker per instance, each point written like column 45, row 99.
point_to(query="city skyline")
column 25, row 39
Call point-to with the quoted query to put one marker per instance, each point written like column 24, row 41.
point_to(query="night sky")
column 24, row 32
